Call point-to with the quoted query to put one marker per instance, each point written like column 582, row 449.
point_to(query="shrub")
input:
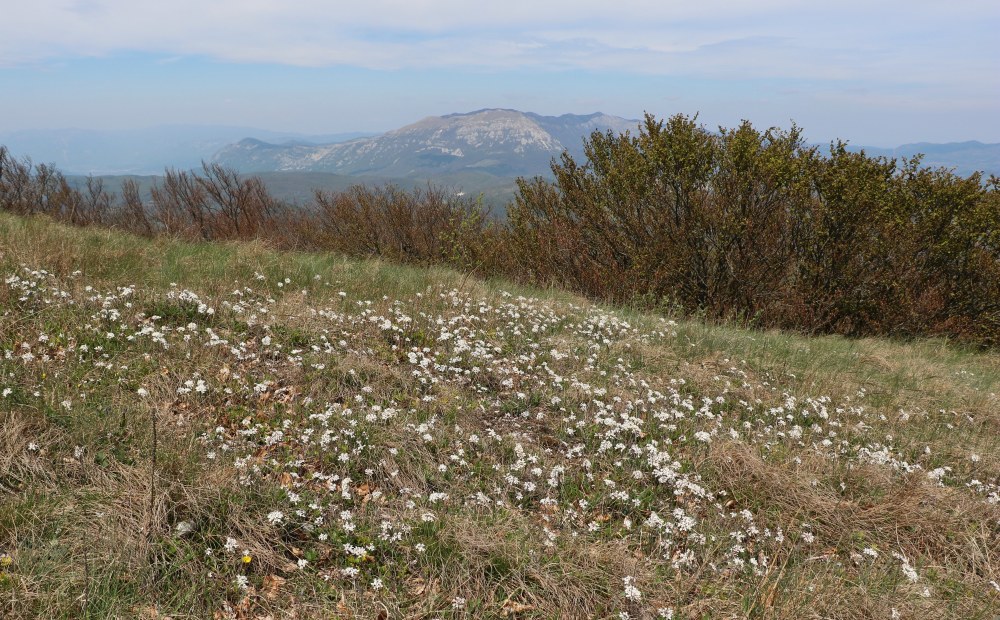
column 757, row 225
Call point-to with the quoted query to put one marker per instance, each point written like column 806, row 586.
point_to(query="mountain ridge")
column 499, row 141
column 964, row 157
column 141, row 151
column 508, row 143
column 148, row 151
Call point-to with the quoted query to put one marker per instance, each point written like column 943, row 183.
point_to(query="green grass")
column 502, row 443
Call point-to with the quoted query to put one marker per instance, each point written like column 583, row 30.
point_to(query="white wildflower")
column 632, row 593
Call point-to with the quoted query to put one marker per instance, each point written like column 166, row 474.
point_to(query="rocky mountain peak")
column 502, row 142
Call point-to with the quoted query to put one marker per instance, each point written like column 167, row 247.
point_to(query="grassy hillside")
column 224, row 431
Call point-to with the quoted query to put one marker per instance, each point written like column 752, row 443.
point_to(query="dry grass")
column 907, row 513
column 857, row 450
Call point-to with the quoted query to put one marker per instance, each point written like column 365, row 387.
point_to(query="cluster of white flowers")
column 506, row 404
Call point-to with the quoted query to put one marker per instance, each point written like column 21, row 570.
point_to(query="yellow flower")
column 246, row 558
column 6, row 560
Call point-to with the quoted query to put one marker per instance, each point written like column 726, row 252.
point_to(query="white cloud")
column 893, row 41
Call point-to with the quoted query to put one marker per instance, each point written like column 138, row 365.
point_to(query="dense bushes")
column 758, row 226
column 746, row 225
column 667, row 213
column 419, row 226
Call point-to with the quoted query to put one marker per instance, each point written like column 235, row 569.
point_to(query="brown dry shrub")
column 423, row 226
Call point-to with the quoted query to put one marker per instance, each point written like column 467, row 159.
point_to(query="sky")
column 874, row 72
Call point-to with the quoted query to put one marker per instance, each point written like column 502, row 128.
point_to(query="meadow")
column 231, row 431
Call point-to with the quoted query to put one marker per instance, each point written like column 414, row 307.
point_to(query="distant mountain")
column 964, row 157
column 506, row 144
column 140, row 151
column 502, row 143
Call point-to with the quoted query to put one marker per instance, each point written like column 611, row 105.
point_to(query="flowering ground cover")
column 225, row 431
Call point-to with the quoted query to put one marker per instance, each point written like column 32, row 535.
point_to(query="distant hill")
column 298, row 187
column 503, row 143
column 964, row 157
column 140, row 151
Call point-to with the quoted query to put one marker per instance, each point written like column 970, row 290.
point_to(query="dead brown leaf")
column 512, row 608
column 271, row 585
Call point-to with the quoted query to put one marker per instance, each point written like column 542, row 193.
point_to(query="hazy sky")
column 877, row 72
